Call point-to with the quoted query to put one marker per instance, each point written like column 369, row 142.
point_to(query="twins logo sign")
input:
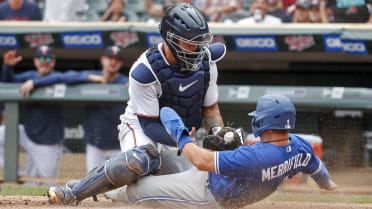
column 38, row 39
column 124, row 39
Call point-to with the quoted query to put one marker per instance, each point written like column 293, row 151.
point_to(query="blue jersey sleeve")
column 49, row 79
column 9, row 76
column 313, row 163
column 237, row 162
column 74, row 77
column 7, row 73
column 321, row 176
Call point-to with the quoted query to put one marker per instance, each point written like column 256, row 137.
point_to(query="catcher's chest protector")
column 184, row 91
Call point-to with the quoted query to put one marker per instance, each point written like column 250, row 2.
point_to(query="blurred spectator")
column 44, row 123
column 65, row 10
column 307, row 11
column 155, row 9
column 246, row 4
column 318, row 11
column 259, row 14
column 350, row 11
column 287, row 3
column 20, row 10
column 101, row 120
column 136, row 10
column 299, row 12
column 115, row 12
column 275, row 8
column 217, row 10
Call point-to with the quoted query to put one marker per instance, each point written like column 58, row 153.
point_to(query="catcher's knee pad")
column 123, row 170
column 132, row 165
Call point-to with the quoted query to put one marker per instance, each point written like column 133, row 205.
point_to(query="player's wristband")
column 183, row 140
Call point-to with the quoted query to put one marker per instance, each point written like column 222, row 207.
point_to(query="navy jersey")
column 101, row 120
column 122, row 14
column 44, row 123
column 252, row 172
column 28, row 11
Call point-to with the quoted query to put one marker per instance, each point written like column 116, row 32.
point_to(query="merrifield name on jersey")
column 283, row 168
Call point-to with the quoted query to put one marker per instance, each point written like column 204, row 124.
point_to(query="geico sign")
column 353, row 47
column 154, row 39
column 8, row 41
column 333, row 42
column 255, row 42
column 82, row 39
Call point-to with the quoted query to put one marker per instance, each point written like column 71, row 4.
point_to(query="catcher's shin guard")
column 122, row 170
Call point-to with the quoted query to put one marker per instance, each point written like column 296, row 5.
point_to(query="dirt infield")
column 40, row 202
column 355, row 185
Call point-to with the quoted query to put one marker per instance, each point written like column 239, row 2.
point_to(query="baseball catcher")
column 180, row 72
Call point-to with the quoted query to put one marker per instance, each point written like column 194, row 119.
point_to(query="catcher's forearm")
column 212, row 117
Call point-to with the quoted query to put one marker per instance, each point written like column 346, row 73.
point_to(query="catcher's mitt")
column 227, row 138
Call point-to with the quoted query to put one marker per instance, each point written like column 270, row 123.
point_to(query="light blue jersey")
column 251, row 173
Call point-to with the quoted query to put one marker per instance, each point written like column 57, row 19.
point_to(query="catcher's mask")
column 186, row 32
column 273, row 111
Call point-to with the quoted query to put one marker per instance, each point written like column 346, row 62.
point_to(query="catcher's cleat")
column 70, row 184
column 61, row 196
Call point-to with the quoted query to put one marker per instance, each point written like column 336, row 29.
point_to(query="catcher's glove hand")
column 226, row 138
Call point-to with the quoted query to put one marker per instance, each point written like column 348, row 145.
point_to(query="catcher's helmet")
column 273, row 111
column 186, row 32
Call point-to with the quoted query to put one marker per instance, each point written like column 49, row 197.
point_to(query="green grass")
column 22, row 190
column 321, row 197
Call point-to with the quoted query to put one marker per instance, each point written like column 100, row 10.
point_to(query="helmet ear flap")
column 256, row 124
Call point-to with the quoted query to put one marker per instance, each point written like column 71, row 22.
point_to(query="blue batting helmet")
column 182, row 25
column 273, row 111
